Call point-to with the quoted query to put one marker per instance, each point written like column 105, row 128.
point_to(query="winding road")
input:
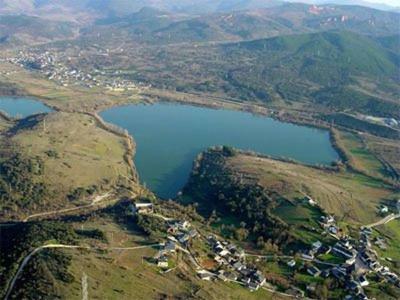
column 52, row 246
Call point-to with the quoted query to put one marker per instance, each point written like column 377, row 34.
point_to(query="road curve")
column 50, row 246
column 26, row 260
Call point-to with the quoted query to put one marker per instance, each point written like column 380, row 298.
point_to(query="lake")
column 169, row 137
column 22, row 106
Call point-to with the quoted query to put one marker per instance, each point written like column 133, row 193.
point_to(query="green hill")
column 313, row 52
column 323, row 62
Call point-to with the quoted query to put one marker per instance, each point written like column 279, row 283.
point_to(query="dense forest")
column 217, row 190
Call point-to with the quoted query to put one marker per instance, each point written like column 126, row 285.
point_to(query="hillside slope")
column 254, row 23
column 31, row 30
column 46, row 166
column 217, row 178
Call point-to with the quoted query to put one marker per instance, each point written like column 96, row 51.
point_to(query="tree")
column 260, row 242
column 241, row 234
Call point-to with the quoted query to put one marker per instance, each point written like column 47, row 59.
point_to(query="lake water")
column 169, row 137
column 22, row 106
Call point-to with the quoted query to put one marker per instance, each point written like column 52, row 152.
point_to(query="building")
column 310, row 201
column 363, row 281
column 253, row 286
column 328, row 219
column 170, row 246
column 192, row 233
column 259, row 278
column 232, row 276
column 184, row 238
column 333, row 229
column 291, row 263
column 339, row 272
column 162, row 262
column 309, row 255
column 143, row 208
column 384, row 209
column 343, row 250
column 238, row 266
column 183, row 225
column 325, row 273
column 350, row 261
column 313, row 271
column 316, row 246
column 324, row 249
column 204, row 275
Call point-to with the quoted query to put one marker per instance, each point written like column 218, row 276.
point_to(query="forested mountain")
column 328, row 63
column 155, row 26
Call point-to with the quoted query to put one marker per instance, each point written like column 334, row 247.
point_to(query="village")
column 359, row 260
column 56, row 67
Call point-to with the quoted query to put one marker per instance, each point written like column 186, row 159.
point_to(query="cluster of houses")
column 55, row 67
column 358, row 257
column 179, row 235
column 232, row 267
column 347, row 273
column 370, row 257
column 162, row 257
column 328, row 223
column 317, row 248
column 181, row 231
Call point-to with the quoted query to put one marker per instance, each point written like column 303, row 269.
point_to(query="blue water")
column 22, row 106
column 169, row 137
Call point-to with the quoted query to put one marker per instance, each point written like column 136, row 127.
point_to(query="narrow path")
column 96, row 201
column 160, row 216
column 383, row 221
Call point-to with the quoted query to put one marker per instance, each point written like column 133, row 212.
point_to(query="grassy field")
column 387, row 150
column 124, row 276
column 361, row 157
column 298, row 215
column 351, row 197
column 76, row 154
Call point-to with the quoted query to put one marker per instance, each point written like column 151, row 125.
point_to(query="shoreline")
column 223, row 104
